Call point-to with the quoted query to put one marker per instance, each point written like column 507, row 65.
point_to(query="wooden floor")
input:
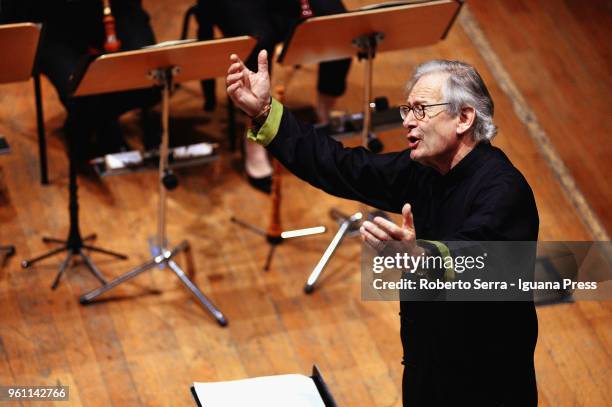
column 150, row 340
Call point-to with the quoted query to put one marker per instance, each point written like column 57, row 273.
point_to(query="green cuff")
column 268, row 130
column 449, row 272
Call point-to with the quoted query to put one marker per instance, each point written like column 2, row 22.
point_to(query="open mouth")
column 413, row 141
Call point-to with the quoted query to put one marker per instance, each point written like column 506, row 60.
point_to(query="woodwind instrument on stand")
column 111, row 42
column 275, row 228
column 275, row 234
column 305, row 10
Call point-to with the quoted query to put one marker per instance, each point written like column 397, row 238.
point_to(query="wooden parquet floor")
column 150, row 340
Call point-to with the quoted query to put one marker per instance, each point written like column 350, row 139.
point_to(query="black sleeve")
column 385, row 181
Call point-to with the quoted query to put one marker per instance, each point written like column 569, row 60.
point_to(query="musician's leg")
column 332, row 75
column 249, row 17
column 206, row 22
column 58, row 60
column 135, row 31
column 133, row 26
column 331, row 85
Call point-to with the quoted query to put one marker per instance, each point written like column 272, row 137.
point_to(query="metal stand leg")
column 269, row 257
column 63, row 267
column 246, row 225
column 28, row 263
column 196, row 291
column 274, row 240
column 164, row 77
column 347, row 225
column 94, row 270
column 90, row 296
column 6, row 252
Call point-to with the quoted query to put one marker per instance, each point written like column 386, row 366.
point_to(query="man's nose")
column 410, row 121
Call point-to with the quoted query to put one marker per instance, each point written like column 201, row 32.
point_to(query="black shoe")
column 263, row 184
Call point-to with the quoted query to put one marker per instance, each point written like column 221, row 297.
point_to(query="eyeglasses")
column 419, row 110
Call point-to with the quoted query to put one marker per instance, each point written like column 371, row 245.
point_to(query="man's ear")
column 466, row 119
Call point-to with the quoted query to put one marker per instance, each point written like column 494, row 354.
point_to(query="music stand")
column 384, row 27
column 74, row 244
column 162, row 66
column 18, row 44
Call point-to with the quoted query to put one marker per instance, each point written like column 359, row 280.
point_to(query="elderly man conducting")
column 450, row 184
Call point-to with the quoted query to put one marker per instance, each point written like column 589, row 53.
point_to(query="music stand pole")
column 367, row 51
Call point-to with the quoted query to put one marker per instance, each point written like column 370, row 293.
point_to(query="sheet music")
column 169, row 43
column 293, row 390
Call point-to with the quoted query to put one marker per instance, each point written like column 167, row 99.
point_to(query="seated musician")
column 270, row 22
column 73, row 31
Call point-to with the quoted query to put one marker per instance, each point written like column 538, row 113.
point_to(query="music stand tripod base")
column 274, row 239
column 164, row 258
column 74, row 246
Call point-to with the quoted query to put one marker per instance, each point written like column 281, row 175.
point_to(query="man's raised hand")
column 249, row 90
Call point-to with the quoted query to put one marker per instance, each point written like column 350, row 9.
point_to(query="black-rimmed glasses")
column 419, row 110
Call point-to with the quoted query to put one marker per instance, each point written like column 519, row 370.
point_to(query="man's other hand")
column 381, row 230
column 249, row 90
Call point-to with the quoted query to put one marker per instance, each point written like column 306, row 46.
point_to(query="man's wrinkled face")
column 433, row 139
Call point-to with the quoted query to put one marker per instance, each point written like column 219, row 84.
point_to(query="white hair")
column 464, row 87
